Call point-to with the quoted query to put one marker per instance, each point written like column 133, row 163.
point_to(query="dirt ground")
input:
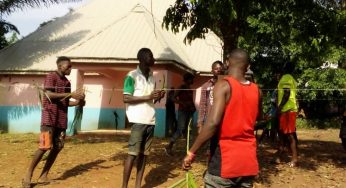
column 97, row 161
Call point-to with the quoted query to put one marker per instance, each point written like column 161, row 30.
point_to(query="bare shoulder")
column 222, row 86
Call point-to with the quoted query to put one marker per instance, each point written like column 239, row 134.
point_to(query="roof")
column 108, row 29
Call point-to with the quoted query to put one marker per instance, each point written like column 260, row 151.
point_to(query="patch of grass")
column 326, row 123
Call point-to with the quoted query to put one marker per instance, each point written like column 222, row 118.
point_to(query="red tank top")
column 236, row 137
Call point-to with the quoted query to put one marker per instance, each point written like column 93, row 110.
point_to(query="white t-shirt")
column 136, row 84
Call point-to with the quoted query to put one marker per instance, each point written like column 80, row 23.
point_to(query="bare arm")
column 53, row 95
column 285, row 98
column 76, row 95
column 77, row 103
column 222, row 93
column 139, row 99
column 176, row 94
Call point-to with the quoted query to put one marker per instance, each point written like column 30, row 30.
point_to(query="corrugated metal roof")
column 109, row 29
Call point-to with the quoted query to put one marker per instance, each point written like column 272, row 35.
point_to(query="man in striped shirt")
column 54, row 117
column 206, row 100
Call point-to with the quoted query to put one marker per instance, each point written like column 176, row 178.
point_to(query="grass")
column 326, row 123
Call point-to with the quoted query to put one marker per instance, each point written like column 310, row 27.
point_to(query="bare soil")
column 96, row 160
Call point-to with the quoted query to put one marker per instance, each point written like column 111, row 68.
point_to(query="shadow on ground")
column 162, row 168
column 312, row 154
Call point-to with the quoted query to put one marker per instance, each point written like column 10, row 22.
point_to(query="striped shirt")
column 54, row 111
column 206, row 100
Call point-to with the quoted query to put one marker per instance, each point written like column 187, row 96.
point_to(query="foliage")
column 273, row 31
column 300, row 31
column 306, row 32
column 5, row 27
column 226, row 18
column 13, row 38
column 322, row 92
column 322, row 84
column 319, row 123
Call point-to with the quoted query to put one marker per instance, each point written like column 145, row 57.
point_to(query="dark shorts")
column 212, row 181
column 51, row 137
column 140, row 139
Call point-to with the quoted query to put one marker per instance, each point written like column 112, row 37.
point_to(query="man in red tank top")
column 230, row 125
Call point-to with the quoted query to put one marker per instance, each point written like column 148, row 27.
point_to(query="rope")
column 165, row 89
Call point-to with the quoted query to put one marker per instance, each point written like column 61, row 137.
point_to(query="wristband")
column 191, row 155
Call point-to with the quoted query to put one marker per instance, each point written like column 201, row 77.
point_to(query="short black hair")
column 188, row 76
column 143, row 54
column 62, row 58
column 239, row 53
column 216, row 62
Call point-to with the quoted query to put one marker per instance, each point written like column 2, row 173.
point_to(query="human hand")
column 78, row 95
column 81, row 102
column 155, row 95
column 188, row 160
column 162, row 94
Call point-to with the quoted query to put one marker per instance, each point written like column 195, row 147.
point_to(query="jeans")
column 212, row 181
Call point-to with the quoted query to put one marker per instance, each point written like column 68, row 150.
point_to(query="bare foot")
column 26, row 183
column 292, row 164
column 44, row 179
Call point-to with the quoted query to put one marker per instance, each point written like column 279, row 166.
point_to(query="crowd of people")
column 230, row 105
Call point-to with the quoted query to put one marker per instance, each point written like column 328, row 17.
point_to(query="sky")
column 29, row 19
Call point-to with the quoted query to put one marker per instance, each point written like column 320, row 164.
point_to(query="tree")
column 226, row 18
column 5, row 28
column 13, row 38
column 289, row 28
column 306, row 32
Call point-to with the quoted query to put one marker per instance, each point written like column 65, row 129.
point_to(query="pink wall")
column 106, row 90
column 20, row 90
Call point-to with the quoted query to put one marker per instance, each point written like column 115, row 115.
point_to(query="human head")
column 238, row 59
column 249, row 75
column 217, row 68
column 64, row 65
column 145, row 57
column 188, row 78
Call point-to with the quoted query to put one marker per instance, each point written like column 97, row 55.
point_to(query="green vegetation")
column 309, row 33
column 328, row 123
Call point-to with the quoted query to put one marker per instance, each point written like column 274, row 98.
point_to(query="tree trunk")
column 230, row 35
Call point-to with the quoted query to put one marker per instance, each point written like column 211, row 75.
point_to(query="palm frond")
column 77, row 120
column 189, row 180
column 7, row 27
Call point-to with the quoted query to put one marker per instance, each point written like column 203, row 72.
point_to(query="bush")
column 326, row 123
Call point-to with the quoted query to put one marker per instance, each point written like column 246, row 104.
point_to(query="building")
column 102, row 38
